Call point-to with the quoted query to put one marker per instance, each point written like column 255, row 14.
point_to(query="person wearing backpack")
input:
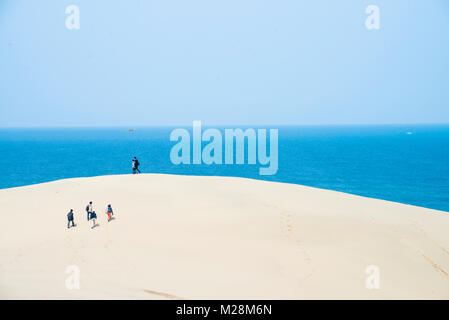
column 109, row 212
column 93, row 217
column 70, row 219
column 89, row 210
column 136, row 165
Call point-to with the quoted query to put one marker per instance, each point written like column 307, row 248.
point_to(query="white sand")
column 209, row 237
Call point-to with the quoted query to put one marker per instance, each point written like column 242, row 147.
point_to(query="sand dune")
column 186, row 237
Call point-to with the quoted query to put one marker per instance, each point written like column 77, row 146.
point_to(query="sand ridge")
column 193, row 237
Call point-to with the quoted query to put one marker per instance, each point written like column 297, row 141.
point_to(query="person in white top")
column 89, row 210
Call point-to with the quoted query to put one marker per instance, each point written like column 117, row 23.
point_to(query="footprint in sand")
column 416, row 225
column 287, row 227
column 408, row 243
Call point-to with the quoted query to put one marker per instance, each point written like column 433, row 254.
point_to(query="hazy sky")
column 224, row 62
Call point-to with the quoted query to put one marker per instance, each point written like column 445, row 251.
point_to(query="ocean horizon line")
column 229, row 125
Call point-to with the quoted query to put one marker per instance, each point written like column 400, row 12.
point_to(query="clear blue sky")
column 225, row 62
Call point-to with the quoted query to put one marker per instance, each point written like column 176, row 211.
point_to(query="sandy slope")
column 209, row 237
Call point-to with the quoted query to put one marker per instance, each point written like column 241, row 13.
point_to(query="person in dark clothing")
column 93, row 217
column 136, row 165
column 70, row 218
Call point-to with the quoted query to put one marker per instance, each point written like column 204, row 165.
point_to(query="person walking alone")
column 136, row 165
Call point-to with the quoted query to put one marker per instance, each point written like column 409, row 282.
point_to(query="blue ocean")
column 402, row 163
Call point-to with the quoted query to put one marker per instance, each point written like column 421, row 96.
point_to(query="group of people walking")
column 91, row 215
